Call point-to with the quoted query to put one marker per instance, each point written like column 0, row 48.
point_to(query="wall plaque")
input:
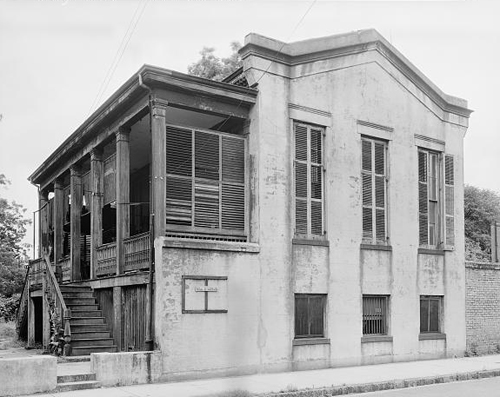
column 204, row 294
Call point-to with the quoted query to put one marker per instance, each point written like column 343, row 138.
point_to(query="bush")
column 8, row 307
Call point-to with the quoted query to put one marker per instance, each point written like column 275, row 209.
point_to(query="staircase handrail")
column 23, row 297
column 66, row 313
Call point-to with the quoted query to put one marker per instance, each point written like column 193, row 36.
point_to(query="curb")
column 387, row 385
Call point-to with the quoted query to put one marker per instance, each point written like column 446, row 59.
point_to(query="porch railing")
column 59, row 313
column 106, row 260
column 137, row 252
column 36, row 272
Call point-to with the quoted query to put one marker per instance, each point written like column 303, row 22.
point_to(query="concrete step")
column 89, row 335
column 91, row 384
column 87, row 321
column 91, row 342
column 75, row 378
column 83, row 351
column 83, row 307
column 86, row 313
column 79, row 301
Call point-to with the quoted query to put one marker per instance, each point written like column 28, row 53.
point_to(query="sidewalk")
column 334, row 380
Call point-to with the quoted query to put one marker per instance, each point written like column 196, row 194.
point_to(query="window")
column 432, row 232
column 430, row 314
column 375, row 315
column 374, row 190
column 309, row 315
column 309, row 170
column 205, row 182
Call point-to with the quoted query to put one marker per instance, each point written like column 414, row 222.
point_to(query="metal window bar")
column 375, row 315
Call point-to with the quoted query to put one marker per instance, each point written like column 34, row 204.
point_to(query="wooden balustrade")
column 137, row 251
column 65, row 264
column 36, row 272
column 106, row 260
column 59, row 314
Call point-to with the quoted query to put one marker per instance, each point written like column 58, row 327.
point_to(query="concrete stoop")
column 76, row 382
column 386, row 385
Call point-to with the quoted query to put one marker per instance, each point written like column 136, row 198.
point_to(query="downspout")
column 150, row 326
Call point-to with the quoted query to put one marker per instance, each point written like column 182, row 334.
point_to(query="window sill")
column 431, row 336
column 430, row 251
column 310, row 341
column 306, row 241
column 211, row 245
column 376, row 338
column 376, row 247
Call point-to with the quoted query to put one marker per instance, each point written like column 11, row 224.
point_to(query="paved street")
column 472, row 388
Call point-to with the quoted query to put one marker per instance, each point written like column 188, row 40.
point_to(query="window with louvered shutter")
column 309, row 315
column 449, row 201
column 374, row 190
column 430, row 195
column 205, row 182
column 309, row 184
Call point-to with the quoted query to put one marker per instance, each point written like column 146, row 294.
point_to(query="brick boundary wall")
column 482, row 307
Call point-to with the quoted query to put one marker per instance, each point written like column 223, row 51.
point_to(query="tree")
column 481, row 208
column 214, row 68
column 12, row 252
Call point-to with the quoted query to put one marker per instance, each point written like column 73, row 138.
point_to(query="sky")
column 61, row 59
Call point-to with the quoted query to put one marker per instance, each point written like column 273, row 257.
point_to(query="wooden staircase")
column 89, row 332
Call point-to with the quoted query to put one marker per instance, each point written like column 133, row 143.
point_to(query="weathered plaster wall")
column 258, row 330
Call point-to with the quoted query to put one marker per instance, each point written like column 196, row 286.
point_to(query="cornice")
column 320, row 49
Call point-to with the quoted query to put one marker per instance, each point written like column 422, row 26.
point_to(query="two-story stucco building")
column 304, row 213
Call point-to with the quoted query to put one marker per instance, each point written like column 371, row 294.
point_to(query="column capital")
column 158, row 107
column 58, row 184
column 75, row 170
column 122, row 134
column 96, row 154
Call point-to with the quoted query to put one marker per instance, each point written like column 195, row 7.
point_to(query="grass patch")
column 8, row 335
column 233, row 393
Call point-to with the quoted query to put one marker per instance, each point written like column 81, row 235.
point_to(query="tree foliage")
column 481, row 208
column 12, row 252
column 212, row 67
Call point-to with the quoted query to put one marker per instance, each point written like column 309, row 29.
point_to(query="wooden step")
column 87, row 321
column 83, row 307
column 74, row 288
column 91, row 342
column 86, row 313
column 83, row 351
column 79, row 301
column 89, row 335
column 77, row 328
column 72, row 295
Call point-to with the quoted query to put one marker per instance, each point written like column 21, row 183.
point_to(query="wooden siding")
column 134, row 318
column 104, row 298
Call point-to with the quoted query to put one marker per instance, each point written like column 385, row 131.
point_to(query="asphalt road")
column 472, row 388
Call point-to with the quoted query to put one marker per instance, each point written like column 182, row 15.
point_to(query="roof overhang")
column 138, row 86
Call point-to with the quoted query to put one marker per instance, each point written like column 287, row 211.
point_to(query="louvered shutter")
column 110, row 179
column 233, row 183
column 449, row 200
column 380, row 192
column 367, row 189
column 179, row 176
column 301, row 185
column 423, row 199
column 316, row 181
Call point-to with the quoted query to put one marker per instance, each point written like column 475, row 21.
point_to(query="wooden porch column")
column 45, row 314
column 31, row 322
column 58, row 224
column 42, row 221
column 75, row 229
column 122, row 195
column 97, row 183
column 117, row 323
column 158, row 165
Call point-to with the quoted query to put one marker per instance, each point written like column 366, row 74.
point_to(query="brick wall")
column 482, row 303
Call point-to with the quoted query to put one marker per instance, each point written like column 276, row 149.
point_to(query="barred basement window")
column 374, row 190
column 309, row 174
column 430, row 313
column 205, row 182
column 436, row 227
column 375, row 315
column 309, row 315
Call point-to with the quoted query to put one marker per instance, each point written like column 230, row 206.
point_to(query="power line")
column 119, row 53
